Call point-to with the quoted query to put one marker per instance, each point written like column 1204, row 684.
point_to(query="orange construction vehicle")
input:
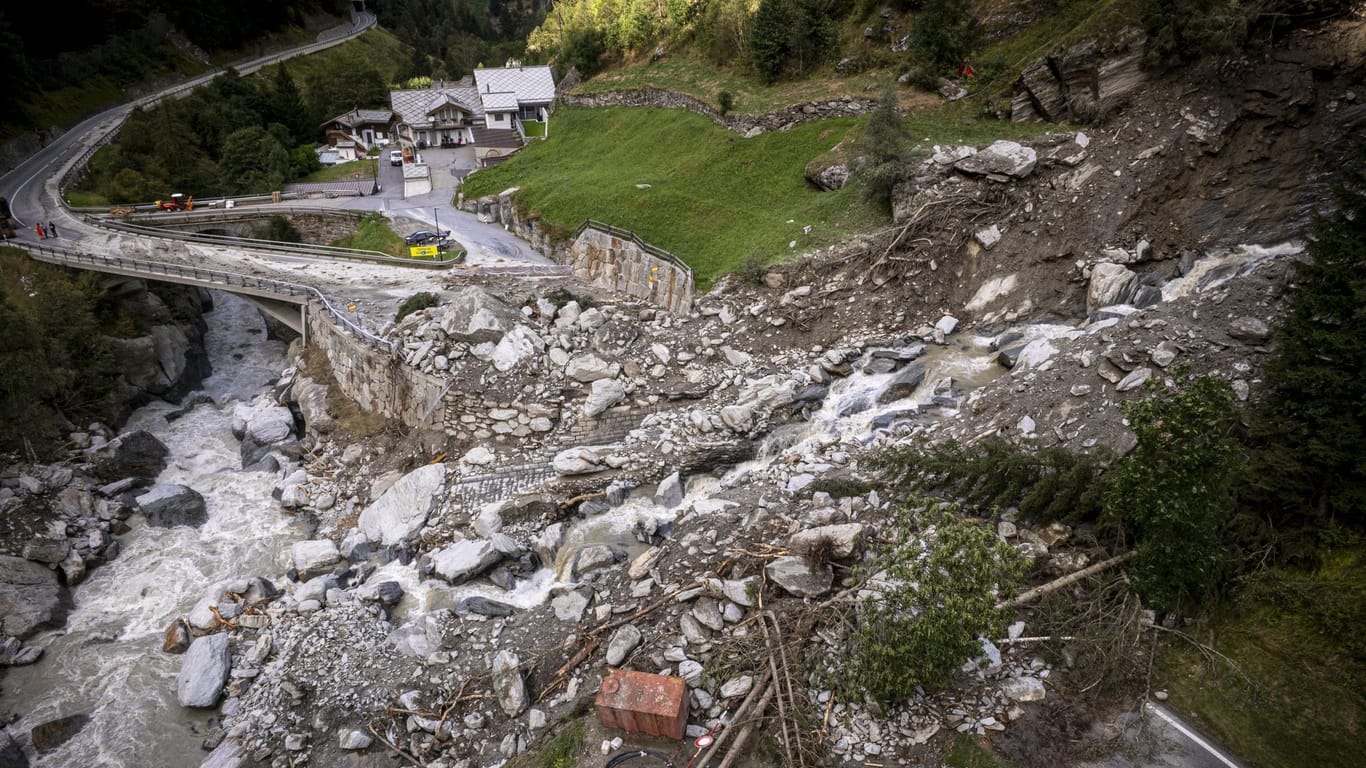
column 178, row 202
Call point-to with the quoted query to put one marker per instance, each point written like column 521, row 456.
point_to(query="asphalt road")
column 1159, row 738
column 31, row 187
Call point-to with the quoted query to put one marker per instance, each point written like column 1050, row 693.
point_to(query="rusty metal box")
column 640, row 702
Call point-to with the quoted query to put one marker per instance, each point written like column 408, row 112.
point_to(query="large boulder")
column 54, row 733
column 463, row 560
column 134, row 454
column 403, row 509
column 167, row 505
column 419, row 638
column 622, row 642
column 1001, row 161
column 603, row 394
column 311, row 397
column 1110, row 284
column 229, row 754
column 516, row 345
column 474, row 316
column 30, row 597
column 904, row 383
column 203, row 671
column 797, row 576
column 581, row 460
column 842, row 540
column 172, row 357
column 507, row 683
column 314, row 558
column 270, row 425
column 589, row 368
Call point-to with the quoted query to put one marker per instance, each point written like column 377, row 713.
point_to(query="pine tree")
column 1311, row 425
column 771, row 37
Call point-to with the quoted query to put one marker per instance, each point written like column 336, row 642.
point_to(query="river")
column 107, row 662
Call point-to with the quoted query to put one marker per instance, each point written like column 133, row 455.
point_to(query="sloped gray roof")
column 532, row 85
column 499, row 102
column 413, row 106
column 363, row 117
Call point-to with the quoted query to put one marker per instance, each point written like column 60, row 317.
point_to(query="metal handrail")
column 628, row 234
column 277, row 288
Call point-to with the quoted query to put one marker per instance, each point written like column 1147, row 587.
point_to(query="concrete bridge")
column 284, row 301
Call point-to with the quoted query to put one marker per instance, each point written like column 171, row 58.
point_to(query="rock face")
column 135, row 454
column 30, row 597
column 1083, row 83
column 203, row 671
column 403, row 509
column 170, row 505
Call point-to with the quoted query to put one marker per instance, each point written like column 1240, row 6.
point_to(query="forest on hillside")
column 126, row 40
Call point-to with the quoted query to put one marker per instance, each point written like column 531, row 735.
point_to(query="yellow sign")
column 424, row 251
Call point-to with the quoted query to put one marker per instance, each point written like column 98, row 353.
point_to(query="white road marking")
column 1188, row 733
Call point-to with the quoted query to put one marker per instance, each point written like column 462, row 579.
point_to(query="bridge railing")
column 163, row 270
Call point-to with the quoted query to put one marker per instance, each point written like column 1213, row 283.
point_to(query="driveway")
column 486, row 244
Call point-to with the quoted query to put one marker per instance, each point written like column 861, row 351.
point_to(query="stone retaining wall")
column 745, row 125
column 316, row 228
column 599, row 258
column 622, row 265
column 372, row 376
column 458, row 403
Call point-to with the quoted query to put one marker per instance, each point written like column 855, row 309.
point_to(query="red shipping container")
column 640, row 702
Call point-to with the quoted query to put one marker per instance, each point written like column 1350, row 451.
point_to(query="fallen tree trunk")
column 1071, row 578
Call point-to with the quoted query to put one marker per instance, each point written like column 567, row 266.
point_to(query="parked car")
column 395, row 157
column 427, row 237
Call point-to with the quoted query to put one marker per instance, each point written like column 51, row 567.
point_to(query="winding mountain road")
column 33, row 189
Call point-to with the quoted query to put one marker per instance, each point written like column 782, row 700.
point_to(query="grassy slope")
column 374, row 234
column 1307, row 692
column 715, row 198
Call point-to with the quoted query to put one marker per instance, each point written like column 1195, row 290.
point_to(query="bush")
column 417, row 301
column 584, row 49
column 943, row 32
column 752, row 269
column 939, row 594
column 725, row 101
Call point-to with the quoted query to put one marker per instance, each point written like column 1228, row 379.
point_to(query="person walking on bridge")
column 38, row 228
column 51, row 229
